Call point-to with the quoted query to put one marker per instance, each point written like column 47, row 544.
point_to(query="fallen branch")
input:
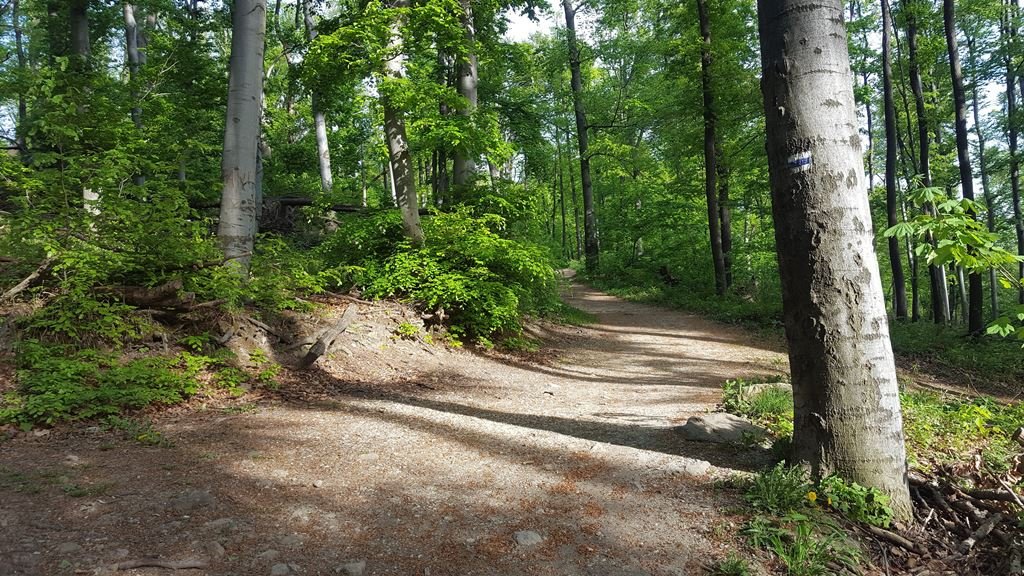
column 896, row 539
column 1010, row 491
column 28, row 281
column 141, row 296
column 997, row 495
column 324, row 343
column 979, row 534
column 192, row 563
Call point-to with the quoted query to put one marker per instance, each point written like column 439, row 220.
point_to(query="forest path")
column 415, row 461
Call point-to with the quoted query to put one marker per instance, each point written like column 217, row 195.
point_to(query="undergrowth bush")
column 482, row 281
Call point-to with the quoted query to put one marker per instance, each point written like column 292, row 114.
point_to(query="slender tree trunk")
column 589, row 216
column 846, row 404
column 974, row 324
column 394, row 128
column 239, row 207
column 80, row 45
column 323, row 149
column 710, row 149
column 575, row 214
column 19, row 48
column 463, row 165
column 725, row 216
column 899, row 286
column 561, row 195
column 131, row 29
column 986, row 191
column 1009, row 34
column 936, row 274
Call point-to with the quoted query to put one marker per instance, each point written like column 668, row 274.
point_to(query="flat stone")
column 353, row 568
column 720, row 428
column 68, row 548
column 221, row 525
column 268, row 555
column 688, row 467
column 215, row 549
column 192, row 500
column 528, row 538
column 291, row 541
column 280, row 569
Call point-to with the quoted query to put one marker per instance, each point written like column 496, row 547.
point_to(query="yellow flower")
column 812, row 496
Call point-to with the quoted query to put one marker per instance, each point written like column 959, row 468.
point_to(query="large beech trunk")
column 589, row 216
column 710, row 150
column 847, row 414
column 403, row 176
column 239, row 205
column 976, row 296
column 899, row 287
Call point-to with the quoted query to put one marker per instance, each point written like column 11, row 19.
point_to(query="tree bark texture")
column 239, row 207
column 899, row 287
column 19, row 48
column 323, row 149
column 403, row 177
column 589, row 216
column 847, row 412
column 710, row 149
column 963, row 154
column 463, row 164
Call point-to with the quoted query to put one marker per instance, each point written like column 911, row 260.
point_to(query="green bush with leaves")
column 56, row 383
column 483, row 281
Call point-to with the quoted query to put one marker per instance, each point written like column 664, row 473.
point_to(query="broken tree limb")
column 191, row 563
column 893, row 538
column 979, row 534
column 324, row 343
column 1009, row 490
column 28, row 281
column 142, row 296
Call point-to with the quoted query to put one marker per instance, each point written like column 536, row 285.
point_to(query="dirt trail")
column 413, row 461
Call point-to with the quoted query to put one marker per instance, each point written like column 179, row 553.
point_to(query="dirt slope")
column 394, row 457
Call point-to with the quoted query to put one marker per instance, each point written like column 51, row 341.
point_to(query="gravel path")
column 413, row 461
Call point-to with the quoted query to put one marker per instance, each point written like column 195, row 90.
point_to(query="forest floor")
column 393, row 456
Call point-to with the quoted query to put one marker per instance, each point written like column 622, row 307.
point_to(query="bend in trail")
column 458, row 464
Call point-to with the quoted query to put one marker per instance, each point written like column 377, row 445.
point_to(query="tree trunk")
column 323, row 149
column 1009, row 32
column 725, row 216
column 899, row 287
column 936, row 274
column 463, row 165
column 561, row 195
column 80, row 46
column 846, row 404
column 19, row 48
column 976, row 298
column 394, row 127
column 239, row 208
column 710, row 150
column 589, row 216
column 986, row 190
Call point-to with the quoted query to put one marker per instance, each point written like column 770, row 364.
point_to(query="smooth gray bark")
column 589, row 215
column 323, row 149
column 463, row 164
column 19, row 48
column 403, row 177
column 986, row 189
column 1009, row 33
column 239, row 207
column 847, row 416
column 976, row 296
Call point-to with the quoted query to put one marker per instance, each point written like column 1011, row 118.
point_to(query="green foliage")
column 807, row 547
column 856, row 502
column 136, row 429
column 481, row 281
column 944, row 429
column 732, row 566
column 779, row 490
column 57, row 384
column 407, row 331
column 771, row 407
